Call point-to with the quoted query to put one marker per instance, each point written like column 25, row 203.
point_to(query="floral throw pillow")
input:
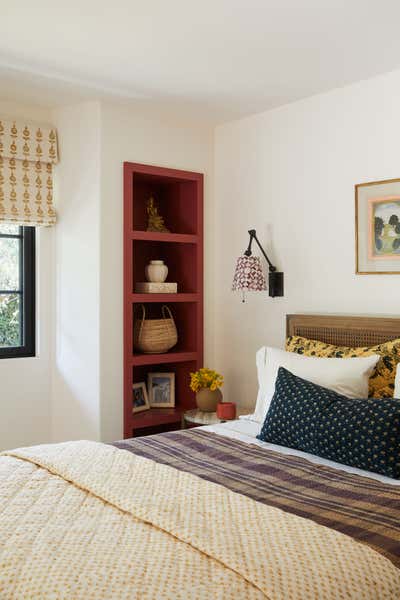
column 381, row 382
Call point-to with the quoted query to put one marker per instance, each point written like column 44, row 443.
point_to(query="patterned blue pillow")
column 359, row 433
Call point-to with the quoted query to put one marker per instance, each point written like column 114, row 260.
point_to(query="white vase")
column 156, row 271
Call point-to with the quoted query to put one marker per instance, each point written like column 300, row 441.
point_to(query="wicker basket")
column 155, row 336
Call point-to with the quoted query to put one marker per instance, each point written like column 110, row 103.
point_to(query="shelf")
column 160, row 359
column 154, row 173
column 156, row 416
column 182, row 260
column 154, row 236
column 143, row 298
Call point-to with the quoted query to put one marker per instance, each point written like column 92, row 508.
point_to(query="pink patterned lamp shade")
column 249, row 275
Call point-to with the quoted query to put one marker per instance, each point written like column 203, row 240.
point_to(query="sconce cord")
column 253, row 236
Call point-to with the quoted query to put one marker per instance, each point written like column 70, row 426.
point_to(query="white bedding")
column 246, row 431
column 346, row 376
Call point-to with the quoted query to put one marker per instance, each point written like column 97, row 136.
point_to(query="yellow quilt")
column 83, row 520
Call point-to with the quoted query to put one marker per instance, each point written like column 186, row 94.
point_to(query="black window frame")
column 27, row 289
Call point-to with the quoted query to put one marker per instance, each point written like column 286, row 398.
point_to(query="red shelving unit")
column 179, row 196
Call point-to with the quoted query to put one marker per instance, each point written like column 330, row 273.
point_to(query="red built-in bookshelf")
column 179, row 197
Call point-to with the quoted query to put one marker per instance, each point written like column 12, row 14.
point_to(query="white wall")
column 144, row 136
column 290, row 173
column 75, row 364
column 75, row 388
column 25, row 382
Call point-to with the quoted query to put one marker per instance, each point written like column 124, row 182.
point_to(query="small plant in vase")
column 206, row 384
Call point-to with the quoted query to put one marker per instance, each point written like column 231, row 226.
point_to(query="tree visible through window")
column 17, row 291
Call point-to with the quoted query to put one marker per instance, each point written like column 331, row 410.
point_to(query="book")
column 147, row 287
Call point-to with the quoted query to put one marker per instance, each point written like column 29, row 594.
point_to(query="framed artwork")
column 161, row 388
column 140, row 400
column 378, row 227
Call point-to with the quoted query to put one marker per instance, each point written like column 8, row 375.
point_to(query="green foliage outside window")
column 9, row 321
column 9, row 281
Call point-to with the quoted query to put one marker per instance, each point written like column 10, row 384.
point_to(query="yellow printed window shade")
column 27, row 155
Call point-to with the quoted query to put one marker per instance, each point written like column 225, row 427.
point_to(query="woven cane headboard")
column 344, row 330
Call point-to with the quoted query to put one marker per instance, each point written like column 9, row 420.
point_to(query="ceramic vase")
column 207, row 400
column 156, row 271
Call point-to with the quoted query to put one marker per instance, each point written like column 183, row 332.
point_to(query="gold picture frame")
column 161, row 388
column 376, row 236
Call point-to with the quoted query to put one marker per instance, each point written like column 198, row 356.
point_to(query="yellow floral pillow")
column 381, row 382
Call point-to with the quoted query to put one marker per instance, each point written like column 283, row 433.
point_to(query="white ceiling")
column 222, row 58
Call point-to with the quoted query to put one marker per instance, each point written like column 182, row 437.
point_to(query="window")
column 17, row 291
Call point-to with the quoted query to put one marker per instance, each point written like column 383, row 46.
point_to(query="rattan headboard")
column 344, row 330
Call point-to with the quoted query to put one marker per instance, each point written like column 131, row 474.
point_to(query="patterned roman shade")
column 27, row 155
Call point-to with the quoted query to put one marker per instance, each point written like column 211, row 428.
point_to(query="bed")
column 209, row 513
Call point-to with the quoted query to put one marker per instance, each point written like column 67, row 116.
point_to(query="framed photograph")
column 161, row 388
column 378, row 227
column 140, row 400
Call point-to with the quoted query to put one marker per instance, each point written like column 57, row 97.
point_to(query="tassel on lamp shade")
column 249, row 275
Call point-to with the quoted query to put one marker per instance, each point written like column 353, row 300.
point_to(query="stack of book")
column 148, row 287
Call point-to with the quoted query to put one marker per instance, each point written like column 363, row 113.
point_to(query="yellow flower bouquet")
column 206, row 384
column 205, row 378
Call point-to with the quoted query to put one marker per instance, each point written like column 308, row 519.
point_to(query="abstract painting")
column 384, row 235
column 377, row 213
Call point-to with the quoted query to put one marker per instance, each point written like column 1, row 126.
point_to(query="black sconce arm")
column 253, row 236
column 275, row 279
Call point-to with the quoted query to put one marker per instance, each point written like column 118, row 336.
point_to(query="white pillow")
column 397, row 383
column 347, row 376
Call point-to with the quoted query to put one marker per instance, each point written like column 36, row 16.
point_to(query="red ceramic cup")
column 226, row 411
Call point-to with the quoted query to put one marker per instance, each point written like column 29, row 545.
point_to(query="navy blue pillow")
column 359, row 433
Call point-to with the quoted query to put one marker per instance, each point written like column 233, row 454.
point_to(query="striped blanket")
column 364, row 509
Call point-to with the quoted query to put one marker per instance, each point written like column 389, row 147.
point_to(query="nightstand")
column 197, row 418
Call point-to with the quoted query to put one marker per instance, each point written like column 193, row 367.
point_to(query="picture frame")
column 377, row 227
column 140, row 400
column 161, row 388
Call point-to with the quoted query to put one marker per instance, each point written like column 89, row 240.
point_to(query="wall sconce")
column 249, row 276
